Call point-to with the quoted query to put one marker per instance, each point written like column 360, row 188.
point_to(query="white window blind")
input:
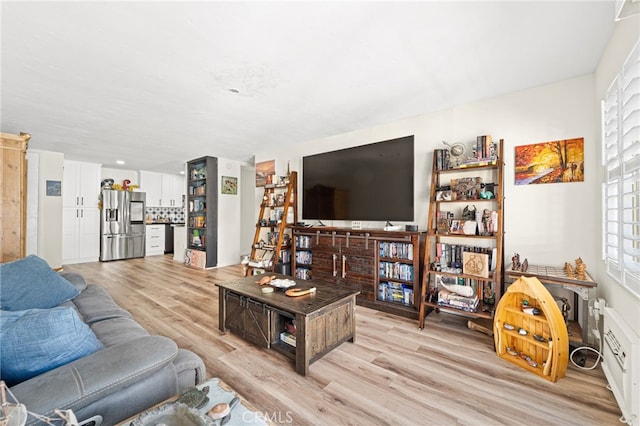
column 621, row 158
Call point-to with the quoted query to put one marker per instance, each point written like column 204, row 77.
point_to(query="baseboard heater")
column 621, row 365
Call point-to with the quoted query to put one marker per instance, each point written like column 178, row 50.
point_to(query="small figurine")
column 568, row 269
column 193, row 397
column 515, row 262
column 580, row 269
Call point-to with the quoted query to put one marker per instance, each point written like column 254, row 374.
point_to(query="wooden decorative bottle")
column 529, row 330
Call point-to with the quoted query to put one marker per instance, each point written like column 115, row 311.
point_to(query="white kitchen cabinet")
column 154, row 239
column 151, row 184
column 162, row 189
column 80, row 213
column 173, row 187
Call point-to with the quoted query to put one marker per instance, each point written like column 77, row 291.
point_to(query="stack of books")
column 450, row 299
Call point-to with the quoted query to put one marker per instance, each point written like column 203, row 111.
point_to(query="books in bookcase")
column 485, row 154
column 452, row 255
column 485, row 147
column 442, row 159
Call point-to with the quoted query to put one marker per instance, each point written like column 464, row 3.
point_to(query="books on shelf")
column 399, row 250
column 452, row 256
column 389, row 291
column 288, row 338
column 396, row 270
column 450, row 299
column 485, row 147
column 303, row 257
column 303, row 273
column 197, row 205
column 197, row 222
column 485, row 152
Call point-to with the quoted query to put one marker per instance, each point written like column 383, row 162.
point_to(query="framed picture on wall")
column 550, row 162
column 264, row 172
column 229, row 185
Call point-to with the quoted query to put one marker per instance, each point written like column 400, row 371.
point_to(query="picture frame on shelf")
column 264, row 172
column 457, row 227
column 469, row 227
column 443, row 225
column 475, row 264
column 444, row 195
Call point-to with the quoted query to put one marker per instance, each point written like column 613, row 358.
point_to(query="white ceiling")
column 151, row 82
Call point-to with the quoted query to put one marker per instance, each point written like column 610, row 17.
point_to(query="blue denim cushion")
column 30, row 283
column 38, row 340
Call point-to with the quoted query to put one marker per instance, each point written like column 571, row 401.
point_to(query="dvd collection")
column 397, row 250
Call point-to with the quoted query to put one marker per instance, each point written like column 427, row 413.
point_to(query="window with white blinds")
column 621, row 190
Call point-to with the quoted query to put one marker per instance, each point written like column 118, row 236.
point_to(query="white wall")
column 229, row 218
column 547, row 224
column 33, row 201
column 44, row 212
column 626, row 35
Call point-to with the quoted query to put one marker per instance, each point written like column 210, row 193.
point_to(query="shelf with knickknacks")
column 271, row 249
column 463, row 259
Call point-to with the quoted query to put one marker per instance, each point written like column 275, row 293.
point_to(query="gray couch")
column 133, row 372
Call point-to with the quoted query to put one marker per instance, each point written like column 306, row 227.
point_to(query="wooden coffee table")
column 323, row 320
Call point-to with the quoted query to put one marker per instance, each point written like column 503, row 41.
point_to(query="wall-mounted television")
column 372, row 182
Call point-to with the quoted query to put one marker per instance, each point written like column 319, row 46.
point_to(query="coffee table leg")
column 302, row 345
column 222, row 306
column 352, row 314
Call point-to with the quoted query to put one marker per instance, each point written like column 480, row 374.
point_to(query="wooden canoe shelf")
column 548, row 355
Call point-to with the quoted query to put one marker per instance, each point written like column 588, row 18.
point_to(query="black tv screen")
column 371, row 182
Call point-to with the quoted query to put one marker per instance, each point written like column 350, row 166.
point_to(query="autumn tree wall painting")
column 550, row 162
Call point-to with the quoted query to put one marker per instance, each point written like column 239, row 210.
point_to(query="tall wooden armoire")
column 13, row 196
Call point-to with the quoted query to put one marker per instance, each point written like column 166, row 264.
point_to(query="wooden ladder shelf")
column 273, row 235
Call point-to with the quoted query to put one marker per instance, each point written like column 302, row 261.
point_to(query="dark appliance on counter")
column 168, row 238
column 122, row 227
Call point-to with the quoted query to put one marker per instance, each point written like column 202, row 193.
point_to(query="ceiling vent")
column 626, row 8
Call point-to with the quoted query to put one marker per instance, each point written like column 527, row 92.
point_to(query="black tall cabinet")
column 202, row 209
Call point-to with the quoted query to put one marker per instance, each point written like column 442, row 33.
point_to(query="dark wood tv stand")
column 383, row 266
column 323, row 320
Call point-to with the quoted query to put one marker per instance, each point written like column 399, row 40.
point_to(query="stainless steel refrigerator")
column 122, row 228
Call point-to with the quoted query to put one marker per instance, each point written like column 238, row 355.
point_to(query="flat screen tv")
column 371, row 182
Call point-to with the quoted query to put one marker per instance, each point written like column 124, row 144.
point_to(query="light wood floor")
column 394, row 374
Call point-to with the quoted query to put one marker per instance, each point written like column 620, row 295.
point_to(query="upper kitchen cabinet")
column 81, row 215
column 163, row 189
column 173, row 188
column 151, row 184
